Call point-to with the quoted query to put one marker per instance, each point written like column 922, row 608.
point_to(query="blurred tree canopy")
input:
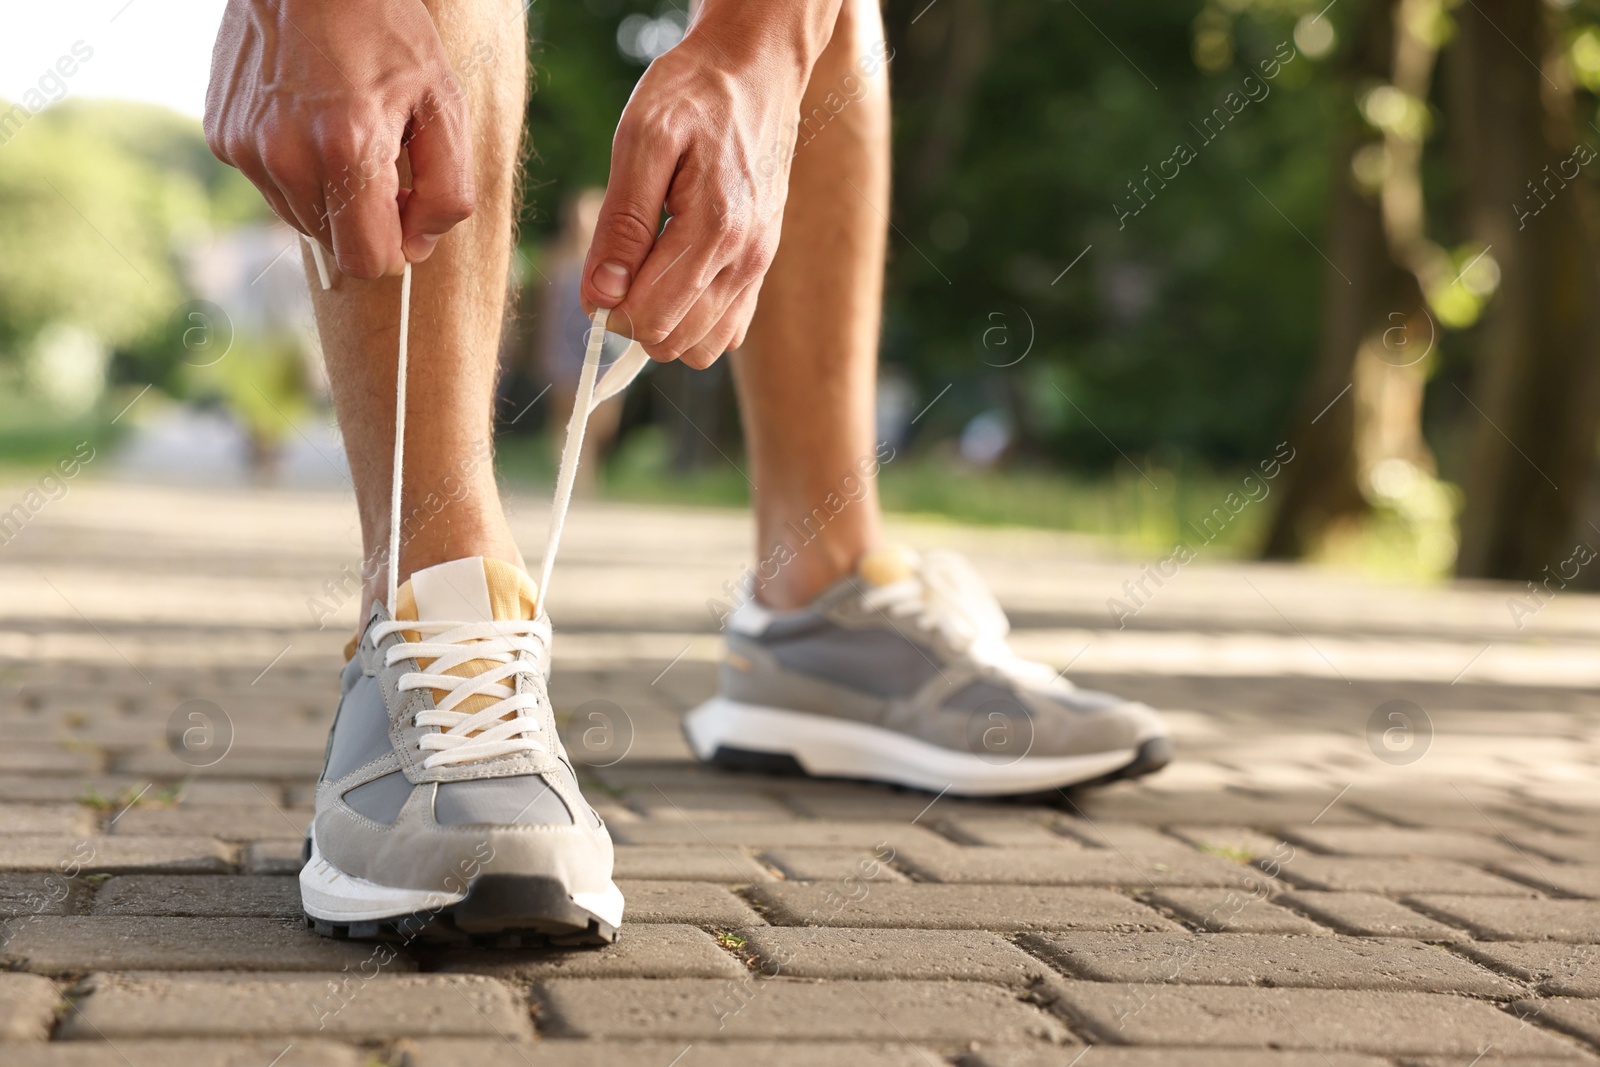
column 1018, row 130
column 1148, row 237
column 1217, row 226
column 94, row 199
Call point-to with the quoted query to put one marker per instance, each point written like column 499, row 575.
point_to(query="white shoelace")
column 508, row 725
column 515, row 646
column 947, row 596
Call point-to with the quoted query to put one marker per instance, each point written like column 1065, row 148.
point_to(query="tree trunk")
column 1535, row 399
column 1376, row 332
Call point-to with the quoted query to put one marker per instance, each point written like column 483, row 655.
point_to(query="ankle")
column 418, row 556
column 800, row 575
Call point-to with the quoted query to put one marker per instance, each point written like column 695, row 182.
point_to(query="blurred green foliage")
column 1139, row 514
column 95, row 198
column 1184, row 330
column 1108, row 224
column 85, row 226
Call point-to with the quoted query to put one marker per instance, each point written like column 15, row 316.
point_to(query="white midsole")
column 329, row 894
column 842, row 748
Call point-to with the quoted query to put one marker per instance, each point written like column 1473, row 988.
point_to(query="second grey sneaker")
column 448, row 807
column 901, row 673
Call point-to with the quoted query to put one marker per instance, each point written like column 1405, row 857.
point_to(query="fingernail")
column 420, row 246
column 611, row 279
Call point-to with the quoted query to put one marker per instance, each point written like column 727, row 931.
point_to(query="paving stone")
column 831, row 952
column 27, row 1008
column 694, row 903
column 794, row 834
column 201, row 895
column 1038, row 866
column 1394, row 841
column 1553, row 968
column 1129, row 837
column 706, row 805
column 872, row 803
column 127, row 1052
column 222, row 793
column 1114, row 1056
column 20, row 758
column 1568, row 848
column 1224, row 807
column 1238, row 843
column 1329, row 962
column 66, row 789
column 1369, row 915
column 1563, row 793
column 347, row 1006
column 1492, row 1058
column 43, row 893
column 229, row 824
column 1395, row 876
column 66, row 820
column 831, row 865
column 1432, row 810
column 1578, row 1017
column 1231, row 911
column 1572, row 879
column 1509, row 919
column 641, row 950
column 1326, row 1020
column 674, row 773
column 240, row 763
column 955, row 907
column 452, row 1052
column 1562, row 820
column 280, row 856
column 112, row 855
column 76, row 944
column 689, row 863
column 1002, row 832
column 782, row 1008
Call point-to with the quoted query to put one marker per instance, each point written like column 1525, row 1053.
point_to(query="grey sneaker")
column 448, row 807
column 901, row 673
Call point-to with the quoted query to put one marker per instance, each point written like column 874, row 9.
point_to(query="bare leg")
column 806, row 374
column 451, row 505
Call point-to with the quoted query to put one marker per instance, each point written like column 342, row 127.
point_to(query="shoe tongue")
column 886, row 566
column 475, row 589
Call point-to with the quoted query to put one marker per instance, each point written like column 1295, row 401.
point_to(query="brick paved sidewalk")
column 1329, row 876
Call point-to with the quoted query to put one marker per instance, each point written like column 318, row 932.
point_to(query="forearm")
column 792, row 32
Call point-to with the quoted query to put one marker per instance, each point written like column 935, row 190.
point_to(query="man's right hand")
column 314, row 100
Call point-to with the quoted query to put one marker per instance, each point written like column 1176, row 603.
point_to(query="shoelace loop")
column 946, row 595
column 504, row 727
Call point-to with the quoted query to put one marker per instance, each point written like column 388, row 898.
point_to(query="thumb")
column 629, row 218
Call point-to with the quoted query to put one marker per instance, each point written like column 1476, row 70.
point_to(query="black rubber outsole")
column 499, row 911
column 1150, row 757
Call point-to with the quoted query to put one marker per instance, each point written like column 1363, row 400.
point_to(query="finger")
column 643, row 161
column 729, row 332
column 674, row 277
column 290, row 168
column 443, row 193
column 269, row 191
column 701, row 319
column 362, row 216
